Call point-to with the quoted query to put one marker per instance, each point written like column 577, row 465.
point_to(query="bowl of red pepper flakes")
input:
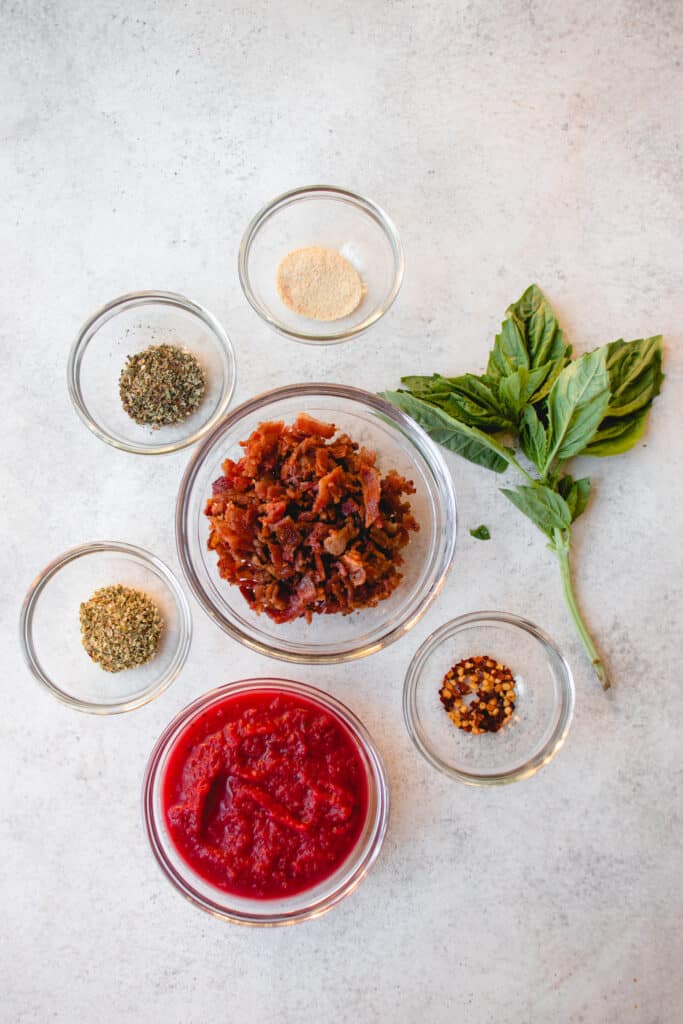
column 316, row 523
column 488, row 698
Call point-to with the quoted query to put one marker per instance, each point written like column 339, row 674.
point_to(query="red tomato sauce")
column 265, row 794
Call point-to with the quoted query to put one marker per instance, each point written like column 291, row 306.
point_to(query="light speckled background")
column 511, row 141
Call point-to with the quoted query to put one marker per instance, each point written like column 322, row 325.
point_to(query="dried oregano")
column 161, row 385
column 120, row 627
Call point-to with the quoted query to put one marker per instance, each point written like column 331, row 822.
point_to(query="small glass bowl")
column 301, row 906
column 321, row 215
column 51, row 637
column 401, row 445
column 128, row 325
column 544, row 700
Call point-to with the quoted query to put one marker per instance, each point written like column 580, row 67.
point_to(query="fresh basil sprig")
column 536, row 400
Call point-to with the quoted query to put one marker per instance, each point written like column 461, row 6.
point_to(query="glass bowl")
column 127, row 325
column 321, row 215
column 51, row 637
column 400, row 444
column 544, row 701
column 303, row 905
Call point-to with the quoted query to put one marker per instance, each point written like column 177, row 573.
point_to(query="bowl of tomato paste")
column 266, row 801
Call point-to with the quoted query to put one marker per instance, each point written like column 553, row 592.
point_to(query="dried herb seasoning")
column 161, row 385
column 479, row 694
column 120, row 627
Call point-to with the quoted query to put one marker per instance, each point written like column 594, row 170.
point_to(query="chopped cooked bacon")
column 370, row 480
column 306, row 524
column 337, row 541
column 330, row 489
column 306, row 589
column 273, row 511
column 354, row 567
column 305, row 424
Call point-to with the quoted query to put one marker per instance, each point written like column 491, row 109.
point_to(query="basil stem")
column 562, row 546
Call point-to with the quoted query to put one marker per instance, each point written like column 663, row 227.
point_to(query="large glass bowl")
column 51, row 637
column 128, row 325
column 284, row 910
column 543, row 709
column 334, row 218
column 401, row 445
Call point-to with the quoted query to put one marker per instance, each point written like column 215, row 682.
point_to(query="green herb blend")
column 161, row 385
column 120, row 627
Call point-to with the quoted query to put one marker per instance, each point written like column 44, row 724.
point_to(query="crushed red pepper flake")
column 479, row 694
column 304, row 523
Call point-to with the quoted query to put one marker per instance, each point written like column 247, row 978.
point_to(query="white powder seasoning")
column 319, row 283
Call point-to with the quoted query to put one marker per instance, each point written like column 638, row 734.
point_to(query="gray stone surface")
column 511, row 141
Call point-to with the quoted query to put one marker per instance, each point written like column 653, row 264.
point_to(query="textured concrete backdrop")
column 511, row 141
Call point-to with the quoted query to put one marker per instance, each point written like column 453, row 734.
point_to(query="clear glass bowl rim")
column 567, row 698
column 373, row 842
column 368, row 206
column 105, row 313
column 31, row 600
column 420, row 439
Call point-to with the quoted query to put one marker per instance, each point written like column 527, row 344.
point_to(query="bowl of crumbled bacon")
column 316, row 523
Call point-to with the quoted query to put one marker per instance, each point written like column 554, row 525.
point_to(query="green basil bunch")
column 535, row 400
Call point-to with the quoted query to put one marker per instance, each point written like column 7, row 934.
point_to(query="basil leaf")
column 617, row 435
column 556, row 369
column 544, row 337
column 481, row 533
column 577, row 403
column 532, row 437
column 514, row 391
column 509, row 350
column 425, row 387
column 523, row 386
column 469, row 398
column 471, row 443
column 543, row 506
column 530, row 337
column 576, row 493
column 473, row 400
column 635, row 374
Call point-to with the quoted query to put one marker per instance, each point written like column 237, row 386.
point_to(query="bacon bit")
column 305, row 424
column 305, row 523
column 221, row 485
column 336, row 543
column 354, row 567
column 268, row 435
column 274, row 511
column 349, row 506
column 330, row 489
column 370, row 480
column 306, row 590
column 323, row 462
